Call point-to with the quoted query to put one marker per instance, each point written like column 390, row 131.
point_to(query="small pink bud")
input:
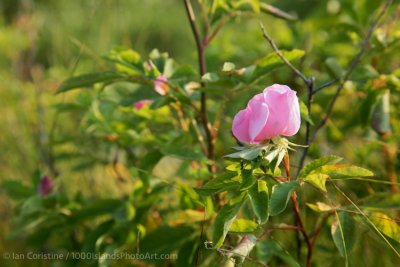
column 273, row 112
column 161, row 85
column 138, row 105
column 45, row 186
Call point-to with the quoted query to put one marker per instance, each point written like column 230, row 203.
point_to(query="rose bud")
column 160, row 85
column 45, row 186
column 138, row 105
column 273, row 112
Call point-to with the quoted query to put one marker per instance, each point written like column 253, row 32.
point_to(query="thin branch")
column 278, row 52
column 200, row 44
column 327, row 84
column 354, row 63
column 318, row 229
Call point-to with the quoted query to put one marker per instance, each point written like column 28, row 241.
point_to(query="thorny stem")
column 201, row 44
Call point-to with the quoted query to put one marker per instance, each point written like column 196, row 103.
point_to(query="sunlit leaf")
column 386, row 225
column 317, row 179
column 317, row 164
column 243, row 226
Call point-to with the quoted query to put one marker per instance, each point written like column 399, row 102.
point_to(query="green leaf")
column 280, row 196
column 268, row 248
column 343, row 231
column 159, row 240
column 97, row 208
column 228, row 66
column 243, row 226
column 333, row 67
column 317, row 164
column 248, row 179
column 86, row 80
column 89, row 244
column 346, row 171
column 320, row 207
column 16, row 190
column 317, row 179
column 272, row 61
column 184, row 153
column 247, row 154
column 384, row 200
column 210, row 77
column 259, row 198
column 187, row 253
column 247, row 5
column 224, row 220
column 221, row 183
column 386, row 225
column 304, row 113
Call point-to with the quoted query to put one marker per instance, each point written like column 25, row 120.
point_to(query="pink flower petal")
column 240, row 126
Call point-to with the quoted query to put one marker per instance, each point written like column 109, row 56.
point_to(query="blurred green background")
column 43, row 42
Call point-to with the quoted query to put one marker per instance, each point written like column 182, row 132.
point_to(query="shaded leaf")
column 272, row 61
column 268, row 248
column 184, row 153
column 280, row 196
column 247, row 154
column 224, row 220
column 343, row 233
column 248, row 179
column 304, row 113
column 86, row 80
column 221, row 183
column 159, row 240
column 259, row 198
column 16, row 190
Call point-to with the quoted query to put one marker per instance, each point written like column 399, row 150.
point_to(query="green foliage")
column 224, row 220
column 343, row 232
column 259, row 197
column 280, row 196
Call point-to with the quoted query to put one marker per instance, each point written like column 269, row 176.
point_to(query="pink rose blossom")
column 160, row 85
column 138, row 105
column 273, row 112
column 45, row 186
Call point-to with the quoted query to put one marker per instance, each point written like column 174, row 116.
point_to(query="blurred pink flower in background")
column 273, row 112
column 45, row 186
column 160, row 85
column 138, row 105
